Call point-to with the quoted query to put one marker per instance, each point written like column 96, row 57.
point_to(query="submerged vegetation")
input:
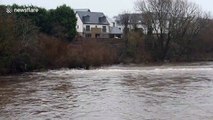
column 47, row 39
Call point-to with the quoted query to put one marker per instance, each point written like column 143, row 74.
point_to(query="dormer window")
column 102, row 19
column 86, row 18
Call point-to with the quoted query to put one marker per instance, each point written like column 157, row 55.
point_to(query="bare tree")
column 170, row 22
column 124, row 20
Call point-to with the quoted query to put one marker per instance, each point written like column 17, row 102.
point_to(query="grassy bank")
column 52, row 53
column 48, row 52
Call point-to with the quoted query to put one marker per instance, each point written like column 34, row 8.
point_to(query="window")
column 104, row 29
column 86, row 18
column 102, row 19
column 87, row 28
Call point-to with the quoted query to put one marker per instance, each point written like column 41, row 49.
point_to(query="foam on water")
column 120, row 69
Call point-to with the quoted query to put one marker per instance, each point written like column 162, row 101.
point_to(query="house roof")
column 115, row 30
column 94, row 17
column 85, row 10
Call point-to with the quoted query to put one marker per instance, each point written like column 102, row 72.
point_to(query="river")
column 166, row 92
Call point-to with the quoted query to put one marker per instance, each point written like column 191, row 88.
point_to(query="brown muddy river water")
column 169, row 92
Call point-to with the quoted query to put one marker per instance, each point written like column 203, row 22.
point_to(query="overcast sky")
column 109, row 7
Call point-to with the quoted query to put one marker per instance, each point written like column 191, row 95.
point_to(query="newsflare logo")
column 22, row 10
column 9, row 10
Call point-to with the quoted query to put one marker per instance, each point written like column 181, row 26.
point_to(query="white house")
column 95, row 25
column 92, row 24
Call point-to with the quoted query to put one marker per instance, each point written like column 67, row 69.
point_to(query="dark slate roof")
column 85, row 10
column 94, row 17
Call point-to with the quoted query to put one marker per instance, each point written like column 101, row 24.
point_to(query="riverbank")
column 52, row 53
column 149, row 64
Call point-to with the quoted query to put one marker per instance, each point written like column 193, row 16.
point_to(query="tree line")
column 172, row 30
column 59, row 22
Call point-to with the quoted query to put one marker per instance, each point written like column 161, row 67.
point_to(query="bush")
column 56, row 53
column 136, row 52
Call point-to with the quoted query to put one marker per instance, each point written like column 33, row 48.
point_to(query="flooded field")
column 169, row 92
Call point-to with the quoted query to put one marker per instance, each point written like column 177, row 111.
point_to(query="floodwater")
column 168, row 92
